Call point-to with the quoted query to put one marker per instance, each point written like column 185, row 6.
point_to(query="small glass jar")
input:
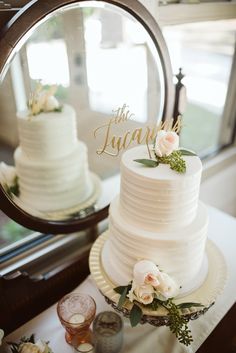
column 76, row 312
column 108, row 332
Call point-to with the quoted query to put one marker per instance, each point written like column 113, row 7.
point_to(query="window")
column 10, row 231
column 205, row 51
column 125, row 47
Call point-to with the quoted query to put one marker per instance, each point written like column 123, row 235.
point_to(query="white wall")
column 218, row 186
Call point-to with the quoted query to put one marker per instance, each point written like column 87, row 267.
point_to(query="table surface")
column 222, row 230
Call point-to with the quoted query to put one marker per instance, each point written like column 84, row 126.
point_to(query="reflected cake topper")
column 112, row 145
column 43, row 100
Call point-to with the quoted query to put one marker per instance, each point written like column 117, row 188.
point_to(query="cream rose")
column 168, row 288
column 43, row 100
column 29, row 348
column 146, row 275
column 7, row 174
column 146, row 272
column 166, row 143
column 50, row 104
column 38, row 347
column 43, row 346
column 143, row 294
column 149, row 282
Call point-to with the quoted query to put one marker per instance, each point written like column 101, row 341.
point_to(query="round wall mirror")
column 74, row 74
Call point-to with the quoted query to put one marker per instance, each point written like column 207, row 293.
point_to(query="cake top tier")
column 48, row 135
column 158, row 198
column 162, row 172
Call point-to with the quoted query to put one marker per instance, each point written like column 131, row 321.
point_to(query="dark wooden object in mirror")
column 180, row 96
column 9, row 8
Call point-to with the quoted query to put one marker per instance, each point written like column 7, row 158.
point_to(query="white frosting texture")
column 178, row 252
column 51, row 163
column 157, row 217
column 49, row 135
column 158, row 198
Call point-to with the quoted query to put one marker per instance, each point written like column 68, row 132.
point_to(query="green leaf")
column 32, row 338
column 155, row 304
column 122, row 297
column 135, row 315
column 147, row 162
column 188, row 305
column 187, row 152
column 161, row 302
column 14, row 347
column 120, row 289
column 14, row 350
column 175, row 161
column 178, row 324
column 59, row 109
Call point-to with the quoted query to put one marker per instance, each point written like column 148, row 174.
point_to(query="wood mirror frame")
column 10, row 37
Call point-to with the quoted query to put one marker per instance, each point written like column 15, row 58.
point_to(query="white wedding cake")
column 157, row 217
column 51, row 163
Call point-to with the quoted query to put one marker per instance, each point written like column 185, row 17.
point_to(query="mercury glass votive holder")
column 108, row 332
column 76, row 312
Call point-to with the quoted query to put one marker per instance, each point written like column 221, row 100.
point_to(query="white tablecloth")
column 145, row 338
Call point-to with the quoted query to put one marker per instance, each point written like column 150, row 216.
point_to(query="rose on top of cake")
column 43, row 100
column 166, row 143
column 166, row 150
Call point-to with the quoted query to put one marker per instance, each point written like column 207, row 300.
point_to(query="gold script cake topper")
column 112, row 144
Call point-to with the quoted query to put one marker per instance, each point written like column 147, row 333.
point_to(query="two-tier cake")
column 157, row 217
column 153, row 263
column 51, row 163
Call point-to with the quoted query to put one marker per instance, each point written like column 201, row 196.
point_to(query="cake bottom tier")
column 56, row 184
column 180, row 253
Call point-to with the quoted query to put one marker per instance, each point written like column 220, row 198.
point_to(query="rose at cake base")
column 157, row 217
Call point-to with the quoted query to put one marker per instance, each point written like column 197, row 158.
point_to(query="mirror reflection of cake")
column 51, row 163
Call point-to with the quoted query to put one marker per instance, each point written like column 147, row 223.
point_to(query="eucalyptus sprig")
column 178, row 324
column 175, row 160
